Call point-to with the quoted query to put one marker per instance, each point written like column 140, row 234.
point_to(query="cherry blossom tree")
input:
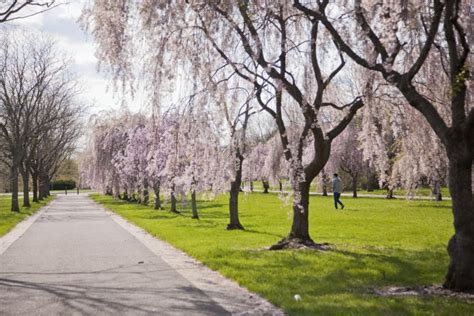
column 423, row 29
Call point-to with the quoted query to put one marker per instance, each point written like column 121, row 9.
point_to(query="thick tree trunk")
column 460, row 276
column 266, row 186
column 34, row 178
column 234, row 199
column 15, row 207
column 389, row 194
column 299, row 234
column 354, row 186
column 251, row 186
column 280, row 185
column 26, row 188
column 194, row 205
column 156, row 192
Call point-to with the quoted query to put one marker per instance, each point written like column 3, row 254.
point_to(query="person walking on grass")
column 337, row 190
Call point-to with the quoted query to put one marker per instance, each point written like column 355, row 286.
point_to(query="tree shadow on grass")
column 342, row 281
column 253, row 231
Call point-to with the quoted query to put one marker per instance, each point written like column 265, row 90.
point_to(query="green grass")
column 257, row 185
column 377, row 243
column 9, row 219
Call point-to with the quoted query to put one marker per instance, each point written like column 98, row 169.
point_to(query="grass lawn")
column 9, row 219
column 257, row 185
column 377, row 242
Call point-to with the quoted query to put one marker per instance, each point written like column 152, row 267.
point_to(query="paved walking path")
column 76, row 258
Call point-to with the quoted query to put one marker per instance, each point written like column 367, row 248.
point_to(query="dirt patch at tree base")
column 433, row 290
column 300, row 244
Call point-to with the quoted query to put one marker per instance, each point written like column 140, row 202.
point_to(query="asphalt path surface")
column 75, row 260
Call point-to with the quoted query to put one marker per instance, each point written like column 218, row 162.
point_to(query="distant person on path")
column 337, row 190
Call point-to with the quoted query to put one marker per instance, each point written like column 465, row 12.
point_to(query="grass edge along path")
column 9, row 219
column 379, row 244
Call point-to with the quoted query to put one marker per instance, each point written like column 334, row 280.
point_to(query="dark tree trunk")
column 266, row 186
column 437, row 192
column 34, row 178
column 299, row 234
column 281, row 186
column 460, row 276
column 234, row 198
column 26, row 188
column 251, row 186
column 108, row 191
column 173, row 200
column 354, row 186
column 42, row 189
column 47, row 185
column 145, row 194
column 156, row 192
column 15, row 207
column 194, row 205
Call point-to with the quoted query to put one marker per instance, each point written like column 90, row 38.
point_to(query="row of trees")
column 311, row 66
column 39, row 117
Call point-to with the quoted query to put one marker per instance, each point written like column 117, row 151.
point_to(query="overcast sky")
column 61, row 24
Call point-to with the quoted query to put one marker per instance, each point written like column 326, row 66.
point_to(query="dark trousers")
column 337, row 196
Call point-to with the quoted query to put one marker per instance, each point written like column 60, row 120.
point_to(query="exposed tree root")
column 422, row 290
column 235, row 226
column 298, row 243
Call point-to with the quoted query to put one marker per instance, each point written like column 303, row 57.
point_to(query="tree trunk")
column 15, row 207
column 194, row 205
column 389, row 194
column 34, row 179
column 234, row 198
column 437, row 192
column 281, row 186
column 47, row 185
column 266, row 186
column 108, row 190
column 354, row 186
column 145, row 194
column 299, row 234
column 460, row 276
column 156, row 192
column 173, row 200
column 26, row 189
column 251, row 186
